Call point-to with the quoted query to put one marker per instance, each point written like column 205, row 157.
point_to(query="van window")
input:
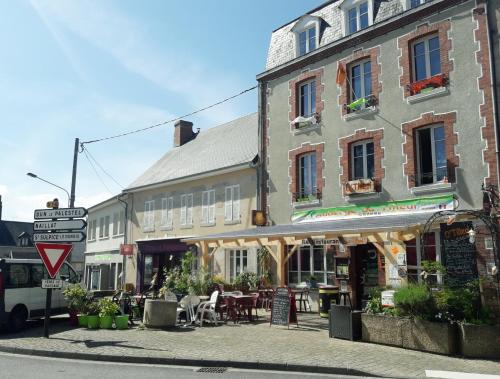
column 17, row 276
column 67, row 273
column 38, row 272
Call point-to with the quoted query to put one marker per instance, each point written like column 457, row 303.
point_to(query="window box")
column 428, row 93
column 361, row 105
column 427, row 85
column 303, row 124
column 433, row 188
column 306, row 199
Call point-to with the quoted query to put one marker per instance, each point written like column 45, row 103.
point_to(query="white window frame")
column 233, row 256
column 314, row 185
column 302, row 275
column 187, row 209
column 407, row 4
column 107, row 222
column 121, row 218
column 360, row 63
column 304, row 24
column 311, row 103
column 232, row 204
column 365, row 158
column 208, row 207
column 116, row 223
column 418, row 267
column 433, row 153
column 346, row 6
column 425, row 40
column 92, row 230
column 101, row 227
column 167, row 212
column 148, row 223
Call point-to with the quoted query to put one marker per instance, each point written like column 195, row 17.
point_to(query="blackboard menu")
column 458, row 254
column 280, row 313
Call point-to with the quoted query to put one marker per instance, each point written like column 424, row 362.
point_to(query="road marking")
column 458, row 375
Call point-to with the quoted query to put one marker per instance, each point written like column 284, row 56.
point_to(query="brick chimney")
column 183, row 132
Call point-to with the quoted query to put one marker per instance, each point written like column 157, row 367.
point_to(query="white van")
column 21, row 293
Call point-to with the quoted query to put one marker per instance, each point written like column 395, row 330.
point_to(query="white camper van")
column 21, row 293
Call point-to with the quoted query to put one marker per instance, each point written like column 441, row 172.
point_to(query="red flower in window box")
column 435, row 81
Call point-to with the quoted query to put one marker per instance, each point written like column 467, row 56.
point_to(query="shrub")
column 374, row 305
column 76, row 295
column 201, row 283
column 414, row 301
column 107, row 307
column 93, row 308
column 247, row 279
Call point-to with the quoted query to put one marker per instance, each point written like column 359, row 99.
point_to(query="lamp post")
column 52, row 184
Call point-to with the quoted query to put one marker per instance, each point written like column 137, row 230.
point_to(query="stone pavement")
column 244, row 345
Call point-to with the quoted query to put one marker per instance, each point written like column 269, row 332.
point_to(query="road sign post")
column 53, row 256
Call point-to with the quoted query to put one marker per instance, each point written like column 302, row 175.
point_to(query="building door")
column 366, row 273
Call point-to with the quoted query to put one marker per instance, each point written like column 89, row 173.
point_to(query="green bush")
column 247, row 279
column 374, row 305
column 414, row 301
column 201, row 283
column 93, row 308
column 107, row 307
column 76, row 295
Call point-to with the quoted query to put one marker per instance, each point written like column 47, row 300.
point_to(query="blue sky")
column 91, row 69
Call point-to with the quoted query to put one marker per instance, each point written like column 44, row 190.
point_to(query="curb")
column 187, row 362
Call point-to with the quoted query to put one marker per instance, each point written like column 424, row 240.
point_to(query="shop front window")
column 310, row 260
column 237, row 263
column 414, row 259
column 148, row 270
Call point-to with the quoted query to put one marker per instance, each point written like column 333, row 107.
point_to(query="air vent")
column 213, row 370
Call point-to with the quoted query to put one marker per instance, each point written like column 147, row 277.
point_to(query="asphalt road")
column 23, row 366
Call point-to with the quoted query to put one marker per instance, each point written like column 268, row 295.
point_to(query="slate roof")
column 10, row 230
column 355, row 225
column 223, row 146
column 282, row 48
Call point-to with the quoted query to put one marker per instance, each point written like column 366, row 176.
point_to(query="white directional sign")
column 52, row 283
column 41, row 214
column 59, row 237
column 59, row 225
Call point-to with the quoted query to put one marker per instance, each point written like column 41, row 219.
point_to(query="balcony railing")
column 306, row 196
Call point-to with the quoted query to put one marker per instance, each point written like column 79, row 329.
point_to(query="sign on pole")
column 53, row 255
column 60, row 225
column 41, row 214
column 52, row 283
column 59, row 237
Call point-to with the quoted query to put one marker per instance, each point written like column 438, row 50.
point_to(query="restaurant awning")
column 342, row 227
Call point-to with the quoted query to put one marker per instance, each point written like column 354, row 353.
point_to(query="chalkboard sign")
column 284, row 309
column 458, row 254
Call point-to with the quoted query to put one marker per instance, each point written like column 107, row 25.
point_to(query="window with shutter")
column 183, row 209
column 121, row 227
column 189, row 214
column 115, row 223
column 211, row 207
column 101, row 227
column 149, row 216
column 204, row 206
column 236, row 202
column 228, row 211
column 170, row 211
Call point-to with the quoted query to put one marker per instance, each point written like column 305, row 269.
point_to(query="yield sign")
column 53, row 255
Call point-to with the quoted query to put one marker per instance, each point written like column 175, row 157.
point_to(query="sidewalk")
column 306, row 348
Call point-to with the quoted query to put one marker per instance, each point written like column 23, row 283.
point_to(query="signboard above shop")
column 389, row 208
column 359, row 186
column 41, row 214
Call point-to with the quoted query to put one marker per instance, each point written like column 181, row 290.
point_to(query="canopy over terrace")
column 387, row 233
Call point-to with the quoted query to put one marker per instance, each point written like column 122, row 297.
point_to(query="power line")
column 102, row 169
column 98, row 176
column 169, row 121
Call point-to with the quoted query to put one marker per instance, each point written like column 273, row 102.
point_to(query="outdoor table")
column 204, row 297
column 244, row 302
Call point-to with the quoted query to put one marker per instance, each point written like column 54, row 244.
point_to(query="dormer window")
column 307, row 41
column 358, row 15
column 306, row 30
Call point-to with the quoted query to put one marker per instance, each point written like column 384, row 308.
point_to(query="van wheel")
column 17, row 319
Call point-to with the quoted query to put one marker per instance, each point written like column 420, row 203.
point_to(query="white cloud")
column 3, row 189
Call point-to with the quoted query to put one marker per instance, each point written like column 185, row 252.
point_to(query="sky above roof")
column 91, row 69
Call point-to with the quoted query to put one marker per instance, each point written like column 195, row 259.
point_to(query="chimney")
column 183, row 132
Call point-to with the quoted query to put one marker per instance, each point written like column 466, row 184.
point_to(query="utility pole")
column 73, row 178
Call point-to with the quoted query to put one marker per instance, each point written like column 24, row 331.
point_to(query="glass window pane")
column 367, row 68
column 305, row 260
column 439, row 133
column 353, row 24
column 294, row 262
column 302, row 43
column 318, row 260
column 358, row 168
column 356, row 86
column 435, row 62
column 369, row 148
column 313, row 173
column 304, row 100
column 363, row 15
column 434, row 44
column 370, row 166
column 312, row 92
column 420, row 71
column 358, row 151
column 312, row 39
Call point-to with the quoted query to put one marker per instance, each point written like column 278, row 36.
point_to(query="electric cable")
column 102, row 169
column 93, row 167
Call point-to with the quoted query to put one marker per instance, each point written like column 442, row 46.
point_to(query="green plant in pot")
column 76, row 296
column 107, row 310
column 93, row 315
column 312, row 281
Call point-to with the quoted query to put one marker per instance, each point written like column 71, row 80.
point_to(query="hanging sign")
column 41, row 214
column 60, row 225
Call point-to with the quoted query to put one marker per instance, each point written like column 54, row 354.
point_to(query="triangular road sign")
column 53, row 255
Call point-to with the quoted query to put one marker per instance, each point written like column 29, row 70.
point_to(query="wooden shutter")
column 211, row 206
column 204, row 206
column 170, row 211
column 236, row 202
column 228, row 206
column 164, row 211
column 183, row 210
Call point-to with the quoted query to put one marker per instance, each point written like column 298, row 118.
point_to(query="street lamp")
column 46, row 181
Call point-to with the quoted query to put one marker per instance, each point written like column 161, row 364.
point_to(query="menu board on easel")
column 283, row 311
column 458, row 253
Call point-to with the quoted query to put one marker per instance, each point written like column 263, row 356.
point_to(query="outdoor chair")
column 304, row 300
column 208, row 308
column 187, row 306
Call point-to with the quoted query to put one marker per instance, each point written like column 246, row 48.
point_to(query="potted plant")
column 93, row 315
column 312, row 281
column 76, row 296
column 121, row 321
column 107, row 311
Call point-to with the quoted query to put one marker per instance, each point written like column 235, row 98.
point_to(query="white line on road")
column 458, row 375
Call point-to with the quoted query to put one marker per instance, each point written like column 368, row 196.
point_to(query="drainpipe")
column 125, row 229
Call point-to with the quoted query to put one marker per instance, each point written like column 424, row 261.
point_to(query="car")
column 21, row 295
